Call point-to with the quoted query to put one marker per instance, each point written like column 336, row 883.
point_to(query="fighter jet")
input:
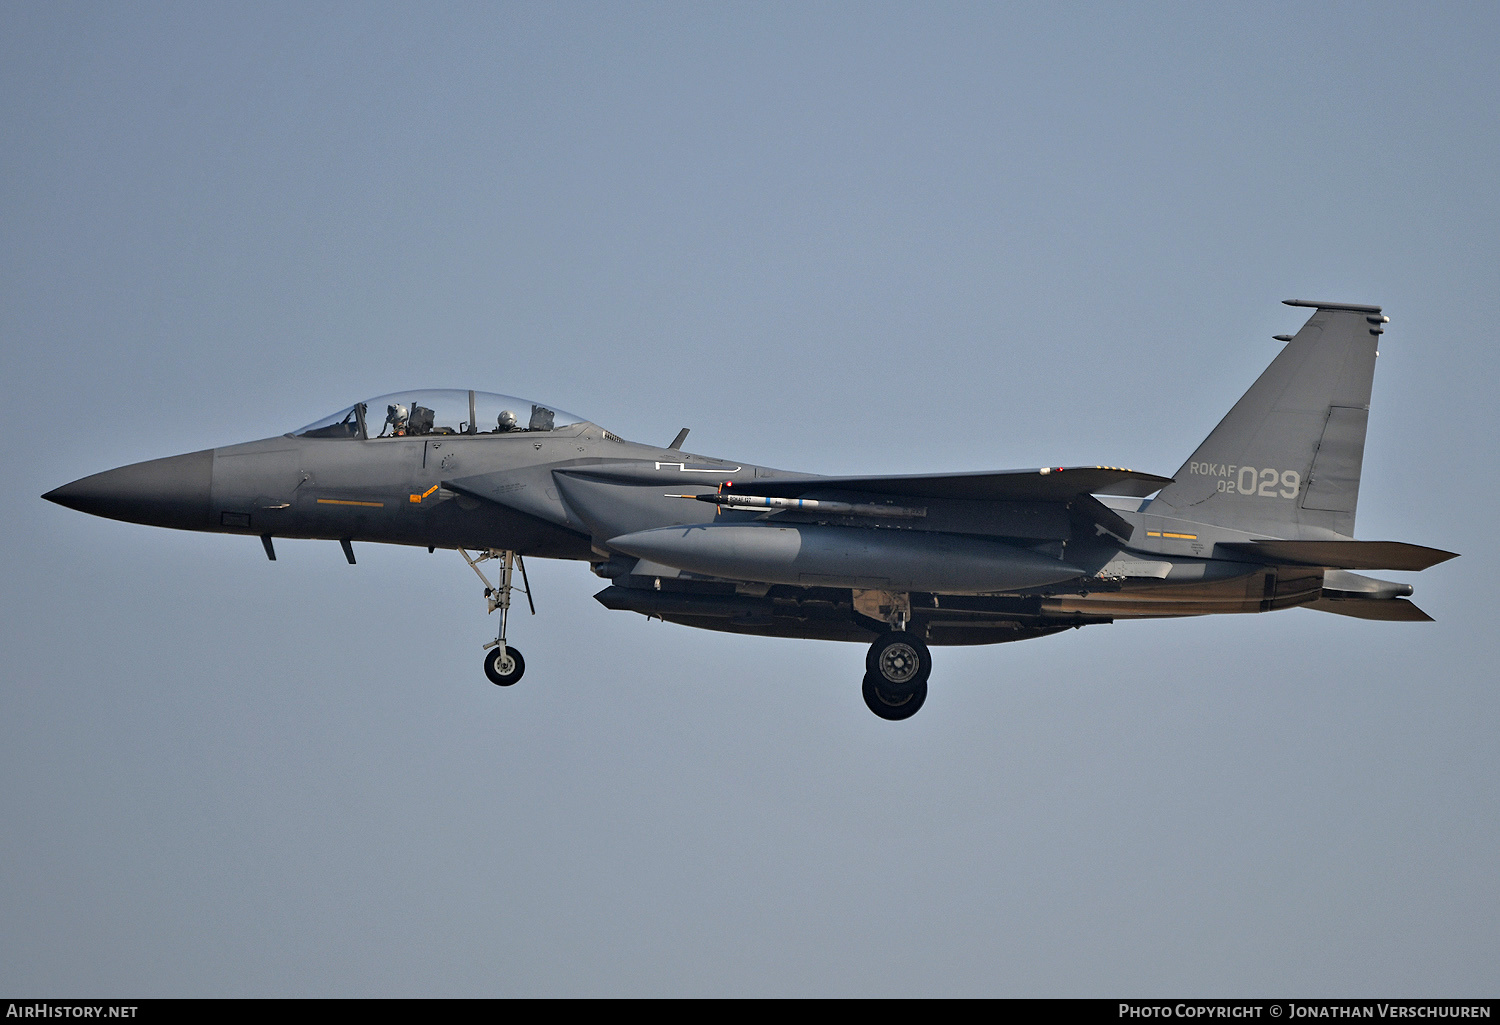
column 1259, row 518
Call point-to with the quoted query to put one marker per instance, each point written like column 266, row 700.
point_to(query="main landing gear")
column 896, row 671
column 898, row 664
column 504, row 664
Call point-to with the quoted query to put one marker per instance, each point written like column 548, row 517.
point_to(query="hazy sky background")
column 829, row 237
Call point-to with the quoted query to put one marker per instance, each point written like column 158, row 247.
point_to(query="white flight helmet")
column 507, row 420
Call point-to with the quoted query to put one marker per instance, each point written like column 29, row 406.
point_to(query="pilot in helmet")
column 397, row 417
column 507, row 422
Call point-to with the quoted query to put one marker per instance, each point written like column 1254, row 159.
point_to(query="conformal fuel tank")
column 810, row 555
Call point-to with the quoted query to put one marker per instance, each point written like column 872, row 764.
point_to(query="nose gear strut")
column 504, row 664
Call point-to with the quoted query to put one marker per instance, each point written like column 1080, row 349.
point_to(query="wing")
column 1049, row 484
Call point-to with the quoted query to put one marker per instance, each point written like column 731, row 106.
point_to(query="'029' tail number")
column 1247, row 480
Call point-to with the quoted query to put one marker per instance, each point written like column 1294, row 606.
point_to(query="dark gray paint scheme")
column 1260, row 517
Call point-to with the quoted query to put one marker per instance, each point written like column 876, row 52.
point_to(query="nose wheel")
column 503, row 664
column 896, row 671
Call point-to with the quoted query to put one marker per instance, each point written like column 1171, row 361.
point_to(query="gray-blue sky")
column 830, row 237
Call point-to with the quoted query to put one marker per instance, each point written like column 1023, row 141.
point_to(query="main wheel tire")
column 503, row 673
column 900, row 659
column 894, row 705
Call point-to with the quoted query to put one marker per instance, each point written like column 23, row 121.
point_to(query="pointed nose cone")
column 169, row 492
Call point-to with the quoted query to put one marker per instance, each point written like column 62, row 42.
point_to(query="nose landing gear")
column 504, row 664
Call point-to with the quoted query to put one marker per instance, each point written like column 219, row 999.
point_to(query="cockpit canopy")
column 439, row 411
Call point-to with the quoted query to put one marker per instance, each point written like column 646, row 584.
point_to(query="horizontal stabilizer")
column 1396, row 555
column 1052, row 484
column 1391, row 610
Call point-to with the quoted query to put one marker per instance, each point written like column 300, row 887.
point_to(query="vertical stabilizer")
column 1285, row 461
